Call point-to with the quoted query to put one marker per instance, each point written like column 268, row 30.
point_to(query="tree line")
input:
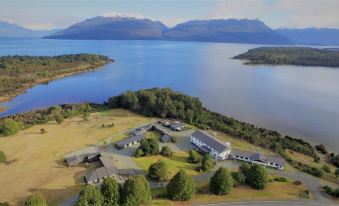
column 16, row 72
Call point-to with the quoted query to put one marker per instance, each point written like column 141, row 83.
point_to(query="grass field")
column 274, row 191
column 175, row 163
column 38, row 158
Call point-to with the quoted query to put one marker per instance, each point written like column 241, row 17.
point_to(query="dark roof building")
column 178, row 126
column 165, row 138
column 129, row 141
column 258, row 158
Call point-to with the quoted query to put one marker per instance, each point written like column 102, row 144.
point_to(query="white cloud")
column 282, row 13
column 123, row 14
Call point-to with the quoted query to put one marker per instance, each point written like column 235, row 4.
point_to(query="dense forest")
column 17, row 73
column 300, row 56
column 165, row 103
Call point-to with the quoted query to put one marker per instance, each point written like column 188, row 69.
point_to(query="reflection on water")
column 300, row 101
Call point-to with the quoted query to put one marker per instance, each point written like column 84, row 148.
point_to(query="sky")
column 51, row 14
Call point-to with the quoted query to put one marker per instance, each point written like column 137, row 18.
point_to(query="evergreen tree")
column 90, row 196
column 194, row 157
column 257, row 177
column 245, row 168
column 110, row 190
column 158, row 171
column 221, row 183
column 181, row 187
column 239, row 178
column 166, row 151
column 207, row 163
column 36, row 199
column 136, row 191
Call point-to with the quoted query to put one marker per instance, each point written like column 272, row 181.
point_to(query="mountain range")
column 9, row 30
column 214, row 30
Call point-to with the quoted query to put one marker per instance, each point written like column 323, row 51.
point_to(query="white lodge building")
column 209, row 144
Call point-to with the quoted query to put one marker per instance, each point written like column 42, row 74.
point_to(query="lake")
column 299, row 101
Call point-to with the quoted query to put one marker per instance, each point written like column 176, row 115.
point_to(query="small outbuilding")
column 129, row 141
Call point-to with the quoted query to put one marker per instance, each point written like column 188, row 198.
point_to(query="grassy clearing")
column 175, row 163
column 38, row 158
column 274, row 191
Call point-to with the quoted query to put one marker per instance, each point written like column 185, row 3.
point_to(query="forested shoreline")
column 18, row 73
column 299, row 56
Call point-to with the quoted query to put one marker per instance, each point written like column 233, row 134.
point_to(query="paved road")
column 272, row 203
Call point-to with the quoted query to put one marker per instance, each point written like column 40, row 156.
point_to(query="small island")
column 18, row 73
column 299, row 56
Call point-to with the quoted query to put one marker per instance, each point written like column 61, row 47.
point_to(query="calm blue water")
column 299, row 101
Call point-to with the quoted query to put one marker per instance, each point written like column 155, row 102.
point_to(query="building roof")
column 178, row 125
column 160, row 129
column 91, row 176
column 211, row 141
column 131, row 139
column 257, row 156
column 165, row 138
column 106, row 161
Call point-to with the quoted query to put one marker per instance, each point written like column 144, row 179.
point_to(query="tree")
column 194, row 157
column 166, row 151
column 239, row 178
column 207, row 163
column 58, row 117
column 90, row 195
column 221, row 183
column 2, row 157
column 139, row 152
column 181, row 187
column 9, row 127
column 158, row 171
column 149, row 146
column 42, row 131
column 136, row 191
column 245, row 168
column 257, row 177
column 36, row 199
column 110, row 190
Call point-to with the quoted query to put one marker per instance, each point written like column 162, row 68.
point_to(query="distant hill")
column 312, row 36
column 237, row 31
column 230, row 30
column 8, row 30
column 121, row 28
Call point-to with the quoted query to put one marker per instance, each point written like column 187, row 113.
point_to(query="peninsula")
column 18, row 73
column 300, row 56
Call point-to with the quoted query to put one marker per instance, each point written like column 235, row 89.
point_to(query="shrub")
column 36, row 199
column 9, row 127
column 317, row 172
column 297, row 182
column 207, row 163
column 2, row 157
column 181, row 187
column 42, row 131
column 221, row 183
column 158, row 171
column 136, row 191
column 166, row 151
column 326, row 168
column 58, row 117
column 110, row 190
column 194, row 157
column 239, row 178
column 139, row 153
column 174, row 139
column 280, row 179
column 337, row 172
column 257, row 177
column 90, row 195
column 321, row 148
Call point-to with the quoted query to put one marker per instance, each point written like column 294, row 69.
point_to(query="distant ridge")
column 130, row 28
column 119, row 28
column 230, row 30
column 312, row 36
column 9, row 30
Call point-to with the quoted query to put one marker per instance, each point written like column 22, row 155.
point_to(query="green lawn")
column 175, row 163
